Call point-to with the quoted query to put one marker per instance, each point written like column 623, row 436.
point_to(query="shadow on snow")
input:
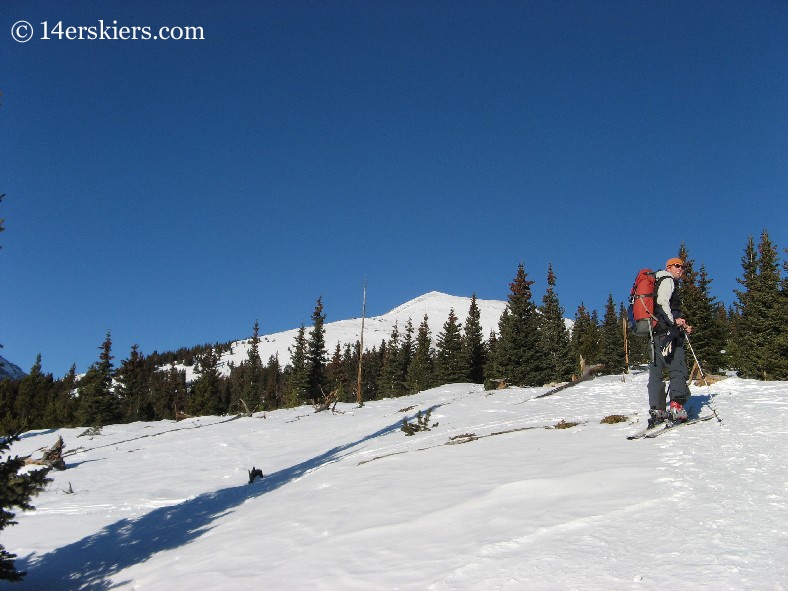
column 88, row 563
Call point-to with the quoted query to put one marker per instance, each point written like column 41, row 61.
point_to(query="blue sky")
column 175, row 191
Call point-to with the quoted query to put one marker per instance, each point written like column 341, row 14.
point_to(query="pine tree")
column 611, row 349
column 297, row 371
column 420, row 372
column 709, row 331
column 450, row 365
column 133, row 387
column 392, row 373
column 16, row 490
column 62, row 405
column 335, row 374
column 249, row 380
column 206, row 391
column 519, row 357
column 475, row 350
column 273, row 383
column 35, row 391
column 169, row 392
column 759, row 329
column 316, row 353
column 98, row 404
column 554, row 335
column 585, row 337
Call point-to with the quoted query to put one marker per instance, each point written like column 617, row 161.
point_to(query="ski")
column 670, row 426
column 647, row 431
column 651, row 432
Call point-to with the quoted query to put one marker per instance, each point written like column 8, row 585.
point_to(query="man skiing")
column 667, row 347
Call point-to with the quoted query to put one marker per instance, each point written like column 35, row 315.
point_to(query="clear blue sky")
column 175, row 191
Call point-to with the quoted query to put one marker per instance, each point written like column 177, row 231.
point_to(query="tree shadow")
column 88, row 563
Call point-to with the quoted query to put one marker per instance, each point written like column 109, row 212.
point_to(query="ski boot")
column 677, row 412
column 656, row 416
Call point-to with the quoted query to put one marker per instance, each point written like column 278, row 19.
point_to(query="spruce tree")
column 35, row 391
column 133, row 388
column 611, row 336
column 520, row 358
column 758, row 330
column 554, row 335
column 407, row 350
column 709, row 331
column 16, row 491
column 392, row 372
column 316, row 353
column 169, row 392
column 98, row 404
column 475, row 350
column 273, row 383
column 206, row 392
column 585, row 337
column 297, row 371
column 450, row 361
column 421, row 370
column 249, row 383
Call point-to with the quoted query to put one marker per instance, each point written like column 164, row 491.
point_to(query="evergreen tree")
column 16, row 490
column 35, row 390
column 316, row 353
column 554, row 335
column 420, row 372
column 169, row 392
column 98, row 404
column 450, row 359
column 392, row 373
column 273, row 383
column 62, row 405
column 489, row 367
column 709, row 328
column 519, row 357
column 407, row 350
column 335, row 374
column 475, row 351
column 759, row 329
column 611, row 349
column 206, row 391
column 297, row 371
column 247, row 380
column 585, row 341
column 133, row 387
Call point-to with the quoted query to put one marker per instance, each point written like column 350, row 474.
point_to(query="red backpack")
column 641, row 303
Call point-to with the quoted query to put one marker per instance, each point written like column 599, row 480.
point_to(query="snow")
column 376, row 328
column 349, row 502
column 10, row 370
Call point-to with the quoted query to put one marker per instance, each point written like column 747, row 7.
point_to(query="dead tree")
column 51, row 458
column 328, row 400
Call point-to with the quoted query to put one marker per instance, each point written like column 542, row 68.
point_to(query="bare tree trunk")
column 359, row 397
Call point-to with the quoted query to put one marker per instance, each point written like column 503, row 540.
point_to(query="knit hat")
column 674, row 261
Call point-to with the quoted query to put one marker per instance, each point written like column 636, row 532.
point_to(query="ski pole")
column 703, row 375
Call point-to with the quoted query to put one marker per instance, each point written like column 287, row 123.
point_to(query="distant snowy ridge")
column 435, row 305
column 9, row 370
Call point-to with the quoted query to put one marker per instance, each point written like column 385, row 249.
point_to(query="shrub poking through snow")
column 422, row 423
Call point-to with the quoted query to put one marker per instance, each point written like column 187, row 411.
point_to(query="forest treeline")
column 530, row 347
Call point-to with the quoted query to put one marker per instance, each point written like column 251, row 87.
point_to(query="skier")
column 667, row 348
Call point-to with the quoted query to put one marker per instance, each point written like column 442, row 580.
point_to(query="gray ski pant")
column 677, row 370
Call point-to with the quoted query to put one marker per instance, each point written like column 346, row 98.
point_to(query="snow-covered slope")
column 376, row 328
column 349, row 502
column 9, row 370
